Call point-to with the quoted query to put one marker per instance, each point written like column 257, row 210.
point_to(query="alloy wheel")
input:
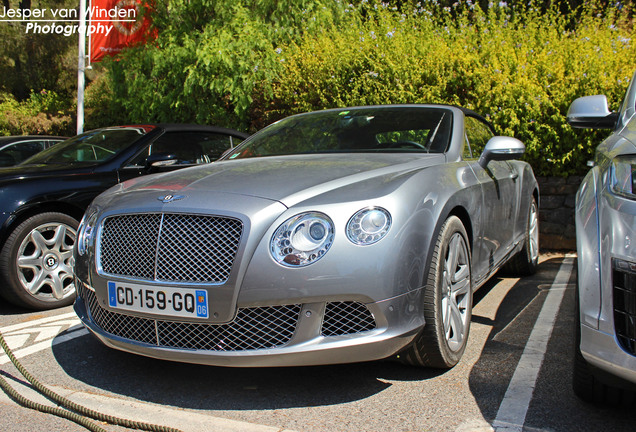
column 44, row 262
column 456, row 292
column 533, row 232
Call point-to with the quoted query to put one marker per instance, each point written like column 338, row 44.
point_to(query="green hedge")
column 44, row 112
column 521, row 72
column 244, row 64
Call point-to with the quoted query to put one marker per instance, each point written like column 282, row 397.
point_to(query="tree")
column 34, row 61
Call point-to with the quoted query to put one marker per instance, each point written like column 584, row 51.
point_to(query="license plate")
column 178, row 302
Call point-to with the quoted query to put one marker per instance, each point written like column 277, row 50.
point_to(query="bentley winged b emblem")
column 170, row 198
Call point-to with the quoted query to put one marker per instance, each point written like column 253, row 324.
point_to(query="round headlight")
column 368, row 226
column 302, row 239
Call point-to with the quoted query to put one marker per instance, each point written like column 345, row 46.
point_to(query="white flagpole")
column 81, row 62
column 88, row 46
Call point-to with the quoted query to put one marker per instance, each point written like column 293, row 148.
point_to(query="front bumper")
column 614, row 352
column 602, row 351
column 314, row 333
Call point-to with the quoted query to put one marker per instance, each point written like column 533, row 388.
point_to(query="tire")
column 448, row 301
column 35, row 262
column 526, row 261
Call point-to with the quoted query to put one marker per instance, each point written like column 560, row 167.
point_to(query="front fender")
column 588, row 248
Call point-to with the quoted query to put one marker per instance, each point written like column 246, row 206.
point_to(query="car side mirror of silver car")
column 501, row 148
column 591, row 112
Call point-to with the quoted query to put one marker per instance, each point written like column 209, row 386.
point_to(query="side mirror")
column 160, row 160
column 591, row 112
column 501, row 148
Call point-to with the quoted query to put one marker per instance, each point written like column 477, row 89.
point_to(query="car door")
column 499, row 200
column 181, row 149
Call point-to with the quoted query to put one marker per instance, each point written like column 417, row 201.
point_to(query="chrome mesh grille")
column 128, row 245
column 342, row 318
column 252, row 329
column 170, row 247
column 624, row 298
column 135, row 328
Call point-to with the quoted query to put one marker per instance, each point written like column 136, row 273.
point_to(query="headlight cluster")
column 86, row 231
column 305, row 238
column 302, row 239
column 623, row 176
column 368, row 226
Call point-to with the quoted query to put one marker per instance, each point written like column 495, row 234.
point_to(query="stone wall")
column 556, row 212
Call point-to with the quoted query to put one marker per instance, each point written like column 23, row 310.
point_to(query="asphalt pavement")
column 515, row 375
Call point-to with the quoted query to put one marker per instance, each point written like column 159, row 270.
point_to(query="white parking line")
column 46, row 331
column 41, row 346
column 514, row 407
column 37, row 322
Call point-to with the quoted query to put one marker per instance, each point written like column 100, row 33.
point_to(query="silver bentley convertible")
column 336, row 236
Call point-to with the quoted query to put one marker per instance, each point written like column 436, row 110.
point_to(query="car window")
column 17, row 152
column 477, row 134
column 366, row 129
column 403, row 138
column 95, row 146
column 190, row 148
column 50, row 143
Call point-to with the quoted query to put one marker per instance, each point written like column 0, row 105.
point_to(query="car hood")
column 288, row 179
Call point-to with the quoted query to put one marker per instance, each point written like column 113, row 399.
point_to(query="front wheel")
column 35, row 262
column 526, row 261
column 448, row 302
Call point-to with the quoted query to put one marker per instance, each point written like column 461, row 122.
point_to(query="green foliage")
column 44, row 112
column 520, row 70
column 245, row 64
column 32, row 61
column 99, row 110
column 209, row 59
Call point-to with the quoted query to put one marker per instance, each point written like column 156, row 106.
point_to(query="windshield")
column 94, row 146
column 365, row 129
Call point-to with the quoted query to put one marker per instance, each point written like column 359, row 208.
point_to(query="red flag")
column 116, row 24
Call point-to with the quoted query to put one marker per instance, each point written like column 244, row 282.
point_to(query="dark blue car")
column 43, row 198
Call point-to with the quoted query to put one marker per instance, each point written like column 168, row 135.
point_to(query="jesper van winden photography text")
column 59, row 21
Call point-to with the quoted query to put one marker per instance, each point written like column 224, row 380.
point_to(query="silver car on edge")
column 336, row 236
column 605, row 354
